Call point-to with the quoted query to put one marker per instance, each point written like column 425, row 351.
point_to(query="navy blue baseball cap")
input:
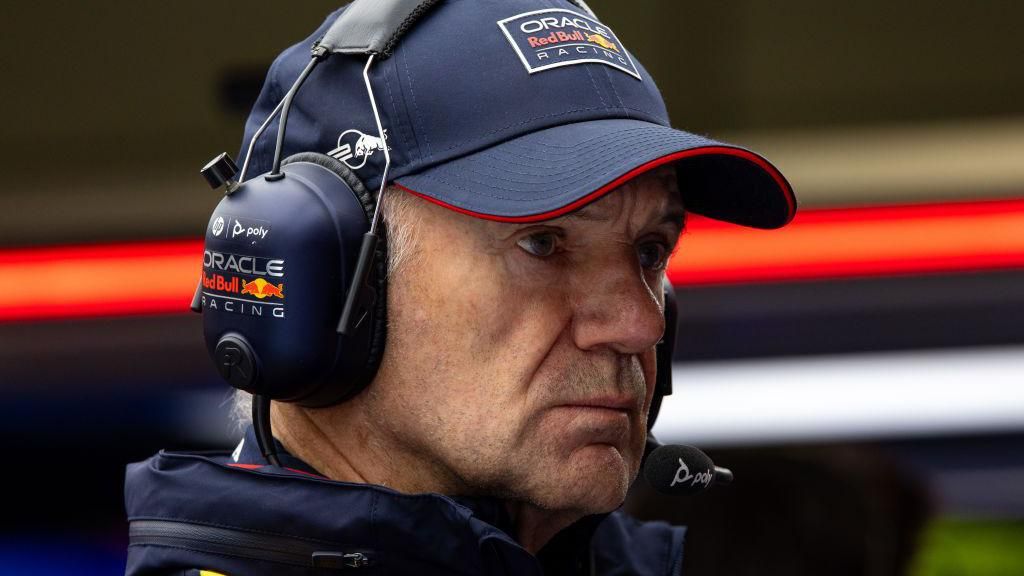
column 511, row 110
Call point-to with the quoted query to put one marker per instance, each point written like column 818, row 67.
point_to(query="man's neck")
column 303, row 438
column 355, row 456
column 340, row 444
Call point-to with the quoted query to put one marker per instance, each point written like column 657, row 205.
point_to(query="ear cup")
column 377, row 279
column 278, row 259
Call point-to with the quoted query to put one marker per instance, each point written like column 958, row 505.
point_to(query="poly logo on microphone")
column 683, row 475
column 684, row 470
column 546, row 39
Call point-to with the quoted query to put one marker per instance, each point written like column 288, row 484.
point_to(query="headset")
column 293, row 288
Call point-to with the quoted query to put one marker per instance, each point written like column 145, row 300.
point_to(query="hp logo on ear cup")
column 236, row 361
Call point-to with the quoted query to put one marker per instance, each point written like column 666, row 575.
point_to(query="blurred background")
column 861, row 371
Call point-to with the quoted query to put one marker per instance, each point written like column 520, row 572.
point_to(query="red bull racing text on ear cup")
column 278, row 261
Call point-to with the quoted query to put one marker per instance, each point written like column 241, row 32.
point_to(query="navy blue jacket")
column 208, row 511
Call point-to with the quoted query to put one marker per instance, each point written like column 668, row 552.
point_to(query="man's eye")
column 541, row 244
column 653, row 255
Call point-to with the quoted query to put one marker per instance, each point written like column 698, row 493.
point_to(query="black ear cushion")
column 343, row 172
column 378, row 279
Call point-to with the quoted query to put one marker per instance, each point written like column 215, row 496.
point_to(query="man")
column 536, row 195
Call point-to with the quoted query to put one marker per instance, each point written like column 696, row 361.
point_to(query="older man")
column 535, row 196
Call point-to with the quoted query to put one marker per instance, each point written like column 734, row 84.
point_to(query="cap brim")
column 551, row 172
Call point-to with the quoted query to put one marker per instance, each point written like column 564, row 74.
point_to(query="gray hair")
column 400, row 220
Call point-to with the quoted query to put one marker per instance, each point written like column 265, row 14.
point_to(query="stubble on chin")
column 547, row 467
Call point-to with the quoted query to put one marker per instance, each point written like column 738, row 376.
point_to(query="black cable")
column 261, row 424
column 275, row 170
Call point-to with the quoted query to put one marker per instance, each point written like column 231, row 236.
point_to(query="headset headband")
column 373, row 26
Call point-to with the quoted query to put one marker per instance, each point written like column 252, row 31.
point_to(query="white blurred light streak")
column 849, row 397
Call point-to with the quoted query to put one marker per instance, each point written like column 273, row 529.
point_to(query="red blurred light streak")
column 130, row 278
column 159, row 277
column 855, row 242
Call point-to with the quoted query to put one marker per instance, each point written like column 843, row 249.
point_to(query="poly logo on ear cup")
column 235, row 361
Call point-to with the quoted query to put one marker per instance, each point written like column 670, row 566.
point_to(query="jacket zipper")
column 240, row 543
column 677, row 565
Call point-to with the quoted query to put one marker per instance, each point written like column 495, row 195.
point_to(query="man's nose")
column 619, row 310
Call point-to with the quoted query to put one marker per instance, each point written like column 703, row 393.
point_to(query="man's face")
column 520, row 358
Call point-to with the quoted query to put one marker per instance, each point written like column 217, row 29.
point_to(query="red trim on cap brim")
column 780, row 181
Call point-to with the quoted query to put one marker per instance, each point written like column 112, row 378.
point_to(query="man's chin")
column 593, row 480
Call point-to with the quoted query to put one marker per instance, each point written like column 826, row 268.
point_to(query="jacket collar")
column 416, row 533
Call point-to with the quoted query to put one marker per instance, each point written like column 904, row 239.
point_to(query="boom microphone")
column 683, row 470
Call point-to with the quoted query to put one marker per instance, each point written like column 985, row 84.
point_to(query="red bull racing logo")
column 546, row 39
column 224, row 291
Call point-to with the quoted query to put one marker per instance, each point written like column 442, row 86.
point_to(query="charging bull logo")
column 261, row 289
column 355, row 148
column 602, row 42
